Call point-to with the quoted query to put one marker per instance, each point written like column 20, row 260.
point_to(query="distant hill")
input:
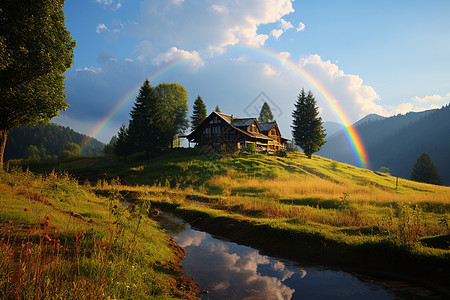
column 49, row 139
column 369, row 119
column 332, row 128
column 396, row 142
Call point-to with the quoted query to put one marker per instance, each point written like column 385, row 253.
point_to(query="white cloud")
column 101, row 27
column 285, row 25
column 284, row 56
column 220, row 9
column 175, row 54
column 269, row 71
column 300, row 27
column 91, row 69
column 177, row 2
column 426, row 99
column 347, row 90
column 225, row 23
column 276, row 33
column 404, row 108
column 110, row 4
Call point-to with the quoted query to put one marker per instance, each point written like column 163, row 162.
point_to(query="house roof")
column 266, row 126
column 242, row 122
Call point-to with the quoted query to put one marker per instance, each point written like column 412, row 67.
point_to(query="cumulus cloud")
column 285, row 25
column 112, row 4
column 284, row 56
column 426, row 99
column 404, row 108
column 269, row 71
column 101, row 27
column 226, row 22
column 175, row 54
column 276, row 33
column 300, row 27
column 346, row 90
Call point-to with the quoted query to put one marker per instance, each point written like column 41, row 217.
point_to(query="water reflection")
column 231, row 271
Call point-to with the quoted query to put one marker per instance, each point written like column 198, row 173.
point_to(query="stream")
column 226, row 270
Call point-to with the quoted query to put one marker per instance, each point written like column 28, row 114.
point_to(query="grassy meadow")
column 61, row 241
column 342, row 215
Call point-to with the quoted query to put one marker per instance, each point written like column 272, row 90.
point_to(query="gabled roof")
column 266, row 126
column 242, row 122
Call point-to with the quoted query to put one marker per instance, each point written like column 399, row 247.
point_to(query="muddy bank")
column 182, row 281
column 382, row 261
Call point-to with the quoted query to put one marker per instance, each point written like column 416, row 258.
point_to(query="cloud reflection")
column 229, row 273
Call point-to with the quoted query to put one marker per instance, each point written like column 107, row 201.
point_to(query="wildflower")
column 10, row 222
column 46, row 223
column 90, row 221
column 10, row 254
column 115, row 206
column 48, row 218
column 101, row 243
column 47, row 238
column 117, row 178
column 123, row 273
column 25, row 209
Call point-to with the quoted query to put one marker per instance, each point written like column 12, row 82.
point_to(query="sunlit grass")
column 59, row 240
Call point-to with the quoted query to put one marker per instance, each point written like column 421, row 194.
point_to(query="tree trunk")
column 3, row 136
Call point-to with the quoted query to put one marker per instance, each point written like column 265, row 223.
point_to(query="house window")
column 253, row 128
column 215, row 120
column 216, row 129
column 207, row 130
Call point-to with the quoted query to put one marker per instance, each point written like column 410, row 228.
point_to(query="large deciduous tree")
column 265, row 115
column 173, row 98
column 35, row 51
column 199, row 113
column 307, row 126
column 424, row 170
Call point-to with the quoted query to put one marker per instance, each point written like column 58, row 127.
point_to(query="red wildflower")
column 48, row 218
column 90, row 221
column 25, row 209
column 10, row 222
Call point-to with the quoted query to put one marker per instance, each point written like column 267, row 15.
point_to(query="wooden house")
column 226, row 132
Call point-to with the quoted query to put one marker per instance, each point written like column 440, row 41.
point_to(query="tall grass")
column 60, row 241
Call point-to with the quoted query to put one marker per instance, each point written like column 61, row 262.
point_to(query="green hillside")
column 314, row 210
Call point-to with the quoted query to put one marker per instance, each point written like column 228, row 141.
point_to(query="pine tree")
column 217, row 109
column 424, row 170
column 122, row 144
column 146, row 114
column 307, row 128
column 265, row 115
column 199, row 113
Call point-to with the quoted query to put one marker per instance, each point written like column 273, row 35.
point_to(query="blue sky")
column 384, row 57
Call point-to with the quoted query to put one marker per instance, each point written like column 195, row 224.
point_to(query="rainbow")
column 353, row 138
column 352, row 135
column 124, row 100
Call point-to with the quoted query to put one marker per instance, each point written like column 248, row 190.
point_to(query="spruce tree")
column 146, row 114
column 424, row 170
column 199, row 113
column 217, row 109
column 122, row 143
column 265, row 115
column 307, row 128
